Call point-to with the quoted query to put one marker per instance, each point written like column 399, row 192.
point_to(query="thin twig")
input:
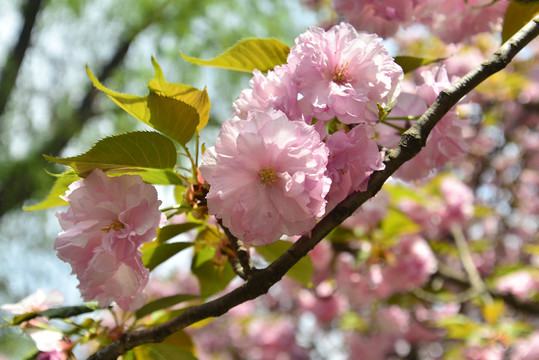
column 411, row 143
column 467, row 263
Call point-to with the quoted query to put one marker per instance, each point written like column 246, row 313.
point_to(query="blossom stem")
column 467, row 262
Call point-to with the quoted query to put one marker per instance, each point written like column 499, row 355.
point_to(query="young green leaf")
column 212, row 278
column 247, row 55
column 163, row 303
column 198, row 99
column 156, row 255
column 168, row 232
column 302, row 272
column 60, row 186
column 148, row 154
column 518, row 14
column 174, row 118
column 410, row 63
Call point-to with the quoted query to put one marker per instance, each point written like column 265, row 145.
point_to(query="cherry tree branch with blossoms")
column 260, row 280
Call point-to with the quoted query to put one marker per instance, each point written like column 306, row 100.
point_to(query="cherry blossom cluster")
column 277, row 166
column 384, row 17
column 107, row 221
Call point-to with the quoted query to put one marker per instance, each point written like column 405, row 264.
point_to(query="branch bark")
column 9, row 74
column 410, row 144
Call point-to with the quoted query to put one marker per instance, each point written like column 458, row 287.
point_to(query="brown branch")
column 411, row 143
column 9, row 74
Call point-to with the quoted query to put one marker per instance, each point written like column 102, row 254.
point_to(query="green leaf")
column 163, row 303
column 145, row 153
column 60, row 186
column 302, row 272
column 198, row 99
column 168, row 232
column 156, row 255
column 54, row 313
column 396, row 224
column 516, row 16
column 212, row 278
column 161, row 352
column 410, row 63
column 248, row 55
column 174, row 118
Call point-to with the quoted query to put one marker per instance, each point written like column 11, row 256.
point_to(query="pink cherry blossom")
column 382, row 17
column 353, row 157
column 276, row 91
column 527, row 348
column 267, row 176
column 466, row 18
column 491, row 352
column 343, row 73
column 108, row 219
column 415, row 264
column 445, row 142
column 38, row 301
column 521, row 284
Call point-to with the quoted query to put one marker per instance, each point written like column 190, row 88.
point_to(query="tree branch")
column 410, row 144
column 9, row 74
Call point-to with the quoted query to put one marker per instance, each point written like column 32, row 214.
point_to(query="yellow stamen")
column 115, row 225
column 340, row 74
column 267, row 176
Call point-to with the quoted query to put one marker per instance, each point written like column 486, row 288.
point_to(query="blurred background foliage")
column 48, row 106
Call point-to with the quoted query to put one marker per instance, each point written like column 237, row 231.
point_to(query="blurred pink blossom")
column 527, row 348
column 521, row 284
column 267, row 176
column 108, row 219
column 491, row 352
column 38, row 301
column 353, row 157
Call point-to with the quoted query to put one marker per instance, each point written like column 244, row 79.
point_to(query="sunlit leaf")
column 54, row 313
column 396, row 224
column 60, row 186
column 161, row 352
column 410, row 63
column 248, row 55
column 174, row 118
column 198, row 99
column 156, row 255
column 492, row 312
column 212, row 278
column 148, row 154
column 517, row 15
column 301, row 272
column 163, row 303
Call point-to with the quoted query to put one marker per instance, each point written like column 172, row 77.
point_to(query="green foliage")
column 248, row 55
column 410, row 63
column 148, row 154
column 396, row 224
column 173, row 117
column 302, row 272
column 198, row 99
column 163, row 303
column 211, row 277
column 54, row 313
column 177, row 346
column 60, row 186
column 152, row 256
column 518, row 14
column 168, row 232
